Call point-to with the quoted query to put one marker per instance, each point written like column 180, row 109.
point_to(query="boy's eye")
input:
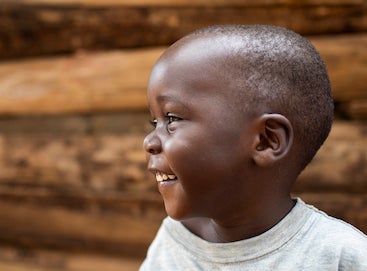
column 171, row 122
column 153, row 122
column 172, row 118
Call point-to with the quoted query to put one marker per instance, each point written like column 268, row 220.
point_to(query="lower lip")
column 166, row 184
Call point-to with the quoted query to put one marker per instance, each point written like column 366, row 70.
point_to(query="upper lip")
column 155, row 170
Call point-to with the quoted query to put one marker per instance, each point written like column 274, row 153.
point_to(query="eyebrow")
column 168, row 98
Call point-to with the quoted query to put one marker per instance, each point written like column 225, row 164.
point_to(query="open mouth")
column 162, row 177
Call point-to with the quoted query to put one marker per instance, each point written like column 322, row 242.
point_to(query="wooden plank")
column 116, row 162
column 346, row 58
column 33, row 31
column 355, row 109
column 36, row 224
column 116, row 81
column 79, row 84
column 189, row 2
column 62, row 125
column 340, row 164
column 20, row 259
column 65, row 163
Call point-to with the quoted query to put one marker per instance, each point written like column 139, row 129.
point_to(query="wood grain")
column 116, row 81
column 53, row 27
column 104, row 161
column 196, row 3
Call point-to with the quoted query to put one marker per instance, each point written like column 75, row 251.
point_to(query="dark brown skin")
column 229, row 183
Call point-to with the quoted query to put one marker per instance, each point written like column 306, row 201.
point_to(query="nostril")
column 154, row 149
column 151, row 151
column 152, row 144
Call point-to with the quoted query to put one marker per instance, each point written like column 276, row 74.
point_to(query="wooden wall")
column 73, row 114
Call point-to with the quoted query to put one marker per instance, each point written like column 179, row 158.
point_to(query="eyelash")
column 153, row 122
column 170, row 119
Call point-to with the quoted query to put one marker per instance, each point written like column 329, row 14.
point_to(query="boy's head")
column 230, row 103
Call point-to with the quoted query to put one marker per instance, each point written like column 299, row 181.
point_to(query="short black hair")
column 282, row 69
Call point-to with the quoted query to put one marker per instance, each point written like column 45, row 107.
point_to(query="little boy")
column 238, row 112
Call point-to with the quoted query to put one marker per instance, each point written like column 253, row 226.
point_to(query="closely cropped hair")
column 281, row 69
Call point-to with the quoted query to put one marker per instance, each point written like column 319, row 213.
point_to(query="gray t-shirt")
column 306, row 239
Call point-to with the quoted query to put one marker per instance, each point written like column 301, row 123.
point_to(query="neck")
column 240, row 226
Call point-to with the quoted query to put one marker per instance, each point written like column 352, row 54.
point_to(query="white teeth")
column 160, row 177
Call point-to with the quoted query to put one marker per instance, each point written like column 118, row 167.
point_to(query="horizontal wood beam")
column 355, row 109
column 206, row 3
column 106, row 163
column 44, row 28
column 116, row 81
column 340, row 164
column 22, row 259
column 84, row 83
column 97, row 229
column 346, row 64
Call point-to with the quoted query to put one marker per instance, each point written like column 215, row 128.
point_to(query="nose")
column 152, row 144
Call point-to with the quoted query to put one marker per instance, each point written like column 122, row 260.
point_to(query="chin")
column 178, row 214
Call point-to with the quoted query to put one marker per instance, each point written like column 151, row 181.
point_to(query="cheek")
column 183, row 154
column 191, row 159
column 204, row 150
column 198, row 158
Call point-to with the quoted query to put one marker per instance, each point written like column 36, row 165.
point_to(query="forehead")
column 193, row 66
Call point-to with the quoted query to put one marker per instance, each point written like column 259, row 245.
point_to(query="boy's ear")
column 273, row 140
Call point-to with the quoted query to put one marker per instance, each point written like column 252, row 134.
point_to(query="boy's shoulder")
column 334, row 238
column 333, row 228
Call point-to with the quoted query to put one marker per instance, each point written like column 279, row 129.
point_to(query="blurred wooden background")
column 74, row 192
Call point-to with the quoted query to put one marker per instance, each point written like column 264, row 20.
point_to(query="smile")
column 162, row 177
